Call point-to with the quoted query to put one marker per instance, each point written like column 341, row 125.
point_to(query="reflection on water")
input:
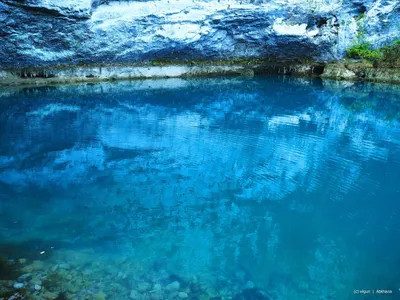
column 264, row 188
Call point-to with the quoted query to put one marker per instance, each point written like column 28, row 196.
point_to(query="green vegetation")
column 361, row 30
column 388, row 55
column 363, row 51
column 360, row 17
column 391, row 54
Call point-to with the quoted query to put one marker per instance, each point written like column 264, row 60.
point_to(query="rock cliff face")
column 49, row 32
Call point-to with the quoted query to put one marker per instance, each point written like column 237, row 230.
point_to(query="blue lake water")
column 212, row 188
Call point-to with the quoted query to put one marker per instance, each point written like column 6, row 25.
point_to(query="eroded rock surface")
column 49, row 32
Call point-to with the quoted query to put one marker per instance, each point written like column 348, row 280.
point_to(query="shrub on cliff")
column 387, row 55
column 391, row 54
column 363, row 51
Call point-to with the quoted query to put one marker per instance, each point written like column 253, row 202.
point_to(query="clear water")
column 262, row 188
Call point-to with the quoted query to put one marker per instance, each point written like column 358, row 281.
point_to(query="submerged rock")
column 156, row 295
column 157, row 287
column 249, row 285
column 174, row 286
column 18, row 285
column 8, row 270
column 253, row 294
column 17, row 296
column 135, row 295
column 25, row 277
column 54, row 268
column 49, row 32
column 64, row 266
column 143, row 287
column 182, row 295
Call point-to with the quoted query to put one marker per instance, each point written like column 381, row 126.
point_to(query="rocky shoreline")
column 95, row 73
column 361, row 72
column 90, row 73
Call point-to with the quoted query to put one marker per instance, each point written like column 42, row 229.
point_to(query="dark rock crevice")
column 37, row 9
column 35, row 74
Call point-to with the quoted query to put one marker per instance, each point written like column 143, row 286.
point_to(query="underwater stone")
column 37, row 287
column 16, row 296
column 69, row 277
column 303, row 286
column 173, row 286
column 253, row 293
column 135, row 295
column 100, row 296
column 64, row 266
column 156, row 295
column 18, row 285
column 25, row 277
column 249, row 285
column 143, row 287
column 87, row 272
column 157, row 287
column 183, row 295
column 35, row 281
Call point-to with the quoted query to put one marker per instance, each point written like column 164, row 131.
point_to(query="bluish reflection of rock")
column 230, row 187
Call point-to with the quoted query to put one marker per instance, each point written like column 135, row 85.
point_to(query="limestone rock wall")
column 50, row 32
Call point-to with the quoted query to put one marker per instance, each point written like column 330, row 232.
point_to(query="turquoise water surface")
column 213, row 188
